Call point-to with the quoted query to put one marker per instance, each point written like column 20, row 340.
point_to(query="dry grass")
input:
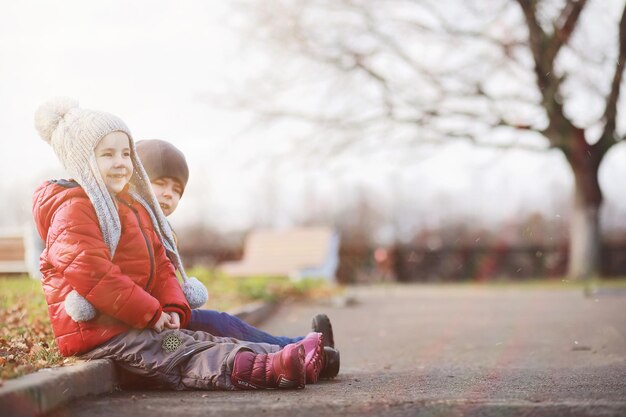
column 26, row 339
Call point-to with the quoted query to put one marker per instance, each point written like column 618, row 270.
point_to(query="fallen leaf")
column 35, row 350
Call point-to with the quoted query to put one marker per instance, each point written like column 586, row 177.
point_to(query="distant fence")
column 408, row 263
column 613, row 260
column 479, row 263
column 482, row 263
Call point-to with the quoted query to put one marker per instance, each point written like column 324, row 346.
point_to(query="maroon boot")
column 284, row 369
column 315, row 357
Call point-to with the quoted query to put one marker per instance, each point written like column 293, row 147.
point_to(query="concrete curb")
column 41, row 392
column 254, row 313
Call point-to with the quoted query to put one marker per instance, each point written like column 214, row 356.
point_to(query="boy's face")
column 168, row 192
column 114, row 162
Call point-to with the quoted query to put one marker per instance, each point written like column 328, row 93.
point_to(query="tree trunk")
column 585, row 242
column 585, row 239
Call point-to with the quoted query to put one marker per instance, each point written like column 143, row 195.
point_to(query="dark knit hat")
column 162, row 159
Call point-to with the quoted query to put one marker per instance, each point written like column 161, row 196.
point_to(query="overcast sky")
column 160, row 65
column 147, row 61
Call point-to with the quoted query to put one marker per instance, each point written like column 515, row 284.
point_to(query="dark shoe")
column 331, row 364
column 314, row 355
column 284, row 369
column 321, row 324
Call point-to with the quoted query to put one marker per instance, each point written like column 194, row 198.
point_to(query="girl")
column 103, row 235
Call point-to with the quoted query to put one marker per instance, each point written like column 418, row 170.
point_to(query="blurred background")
column 430, row 141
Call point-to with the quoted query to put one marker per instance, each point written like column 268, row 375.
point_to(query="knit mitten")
column 283, row 369
column 78, row 308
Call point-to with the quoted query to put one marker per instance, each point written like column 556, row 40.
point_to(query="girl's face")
column 114, row 162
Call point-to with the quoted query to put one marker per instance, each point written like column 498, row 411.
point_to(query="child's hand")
column 162, row 322
column 174, row 322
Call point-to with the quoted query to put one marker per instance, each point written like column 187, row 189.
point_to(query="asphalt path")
column 434, row 351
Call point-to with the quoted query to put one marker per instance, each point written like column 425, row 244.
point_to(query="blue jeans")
column 225, row 325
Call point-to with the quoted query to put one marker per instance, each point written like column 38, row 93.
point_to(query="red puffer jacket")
column 129, row 291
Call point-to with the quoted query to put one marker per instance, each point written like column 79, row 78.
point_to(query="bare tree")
column 540, row 75
column 583, row 156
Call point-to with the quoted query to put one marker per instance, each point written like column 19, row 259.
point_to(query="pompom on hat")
column 74, row 133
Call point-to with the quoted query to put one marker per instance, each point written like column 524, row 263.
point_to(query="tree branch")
column 467, row 138
column 564, row 26
column 502, row 122
column 608, row 135
column 398, row 50
column 359, row 62
column 544, row 49
column 536, row 37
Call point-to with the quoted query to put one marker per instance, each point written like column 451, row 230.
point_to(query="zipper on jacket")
column 152, row 261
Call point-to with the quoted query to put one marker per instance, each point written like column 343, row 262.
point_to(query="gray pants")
column 179, row 359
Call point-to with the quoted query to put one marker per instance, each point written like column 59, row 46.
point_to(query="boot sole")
column 316, row 361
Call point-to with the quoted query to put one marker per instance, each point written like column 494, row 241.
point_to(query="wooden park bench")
column 12, row 254
column 19, row 252
column 306, row 252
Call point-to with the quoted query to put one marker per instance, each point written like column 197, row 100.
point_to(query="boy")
column 167, row 169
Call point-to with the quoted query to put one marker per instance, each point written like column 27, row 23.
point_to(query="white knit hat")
column 74, row 133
